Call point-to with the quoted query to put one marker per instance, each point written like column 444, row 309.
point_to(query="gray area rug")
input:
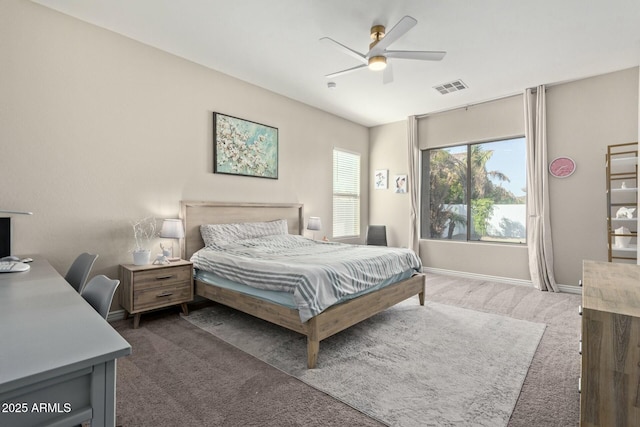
column 408, row 366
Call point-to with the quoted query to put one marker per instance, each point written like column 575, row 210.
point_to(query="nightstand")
column 148, row 287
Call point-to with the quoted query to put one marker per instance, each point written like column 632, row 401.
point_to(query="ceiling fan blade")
column 387, row 74
column 404, row 25
column 344, row 49
column 339, row 73
column 423, row 55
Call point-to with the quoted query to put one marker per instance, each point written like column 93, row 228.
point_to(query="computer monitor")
column 5, row 237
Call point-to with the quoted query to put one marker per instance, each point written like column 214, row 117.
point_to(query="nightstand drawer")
column 161, row 296
column 161, row 277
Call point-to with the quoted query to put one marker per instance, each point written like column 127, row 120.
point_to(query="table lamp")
column 314, row 224
column 172, row 229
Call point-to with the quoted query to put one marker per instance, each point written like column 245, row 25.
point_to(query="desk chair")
column 99, row 293
column 79, row 271
column 377, row 235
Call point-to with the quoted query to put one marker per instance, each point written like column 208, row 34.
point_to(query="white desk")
column 57, row 355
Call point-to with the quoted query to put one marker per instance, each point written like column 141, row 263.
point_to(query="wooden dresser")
column 610, row 373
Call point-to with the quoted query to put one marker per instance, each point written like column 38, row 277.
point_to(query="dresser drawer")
column 161, row 277
column 161, row 296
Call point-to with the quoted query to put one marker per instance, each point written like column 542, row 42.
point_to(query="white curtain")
column 414, row 188
column 539, row 226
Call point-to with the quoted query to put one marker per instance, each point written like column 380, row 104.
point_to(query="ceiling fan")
column 376, row 58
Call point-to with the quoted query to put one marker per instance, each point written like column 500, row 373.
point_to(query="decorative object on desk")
column 381, row 179
column 143, row 231
column 562, row 167
column 242, row 147
column 171, row 229
column 622, row 238
column 400, row 184
column 314, row 224
column 623, row 185
column 625, row 212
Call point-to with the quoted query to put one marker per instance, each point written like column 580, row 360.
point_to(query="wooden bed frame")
column 325, row 324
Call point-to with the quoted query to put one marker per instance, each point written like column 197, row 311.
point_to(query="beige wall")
column 389, row 150
column 497, row 119
column 502, row 118
column 583, row 118
column 98, row 130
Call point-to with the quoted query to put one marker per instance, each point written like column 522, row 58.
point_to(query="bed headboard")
column 194, row 214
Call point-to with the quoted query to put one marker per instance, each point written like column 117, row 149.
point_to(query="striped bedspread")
column 318, row 274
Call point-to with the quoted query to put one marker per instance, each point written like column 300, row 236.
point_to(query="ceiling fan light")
column 377, row 63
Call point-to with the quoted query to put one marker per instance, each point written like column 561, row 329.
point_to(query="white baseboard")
column 570, row 289
column 563, row 288
column 115, row 315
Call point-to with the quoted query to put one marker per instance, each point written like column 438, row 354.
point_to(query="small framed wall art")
column 381, row 179
column 400, row 184
column 242, row 147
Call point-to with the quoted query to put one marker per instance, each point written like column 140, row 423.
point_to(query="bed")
column 329, row 321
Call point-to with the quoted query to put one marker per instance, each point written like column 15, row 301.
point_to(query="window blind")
column 346, row 194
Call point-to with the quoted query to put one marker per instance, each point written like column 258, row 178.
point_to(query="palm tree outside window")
column 475, row 192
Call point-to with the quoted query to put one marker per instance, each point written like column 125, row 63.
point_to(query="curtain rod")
column 422, row 116
column 533, row 89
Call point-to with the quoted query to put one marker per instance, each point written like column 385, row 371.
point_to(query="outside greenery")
column 491, row 200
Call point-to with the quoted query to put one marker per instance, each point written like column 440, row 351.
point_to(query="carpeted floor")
column 407, row 366
column 549, row 396
column 181, row 375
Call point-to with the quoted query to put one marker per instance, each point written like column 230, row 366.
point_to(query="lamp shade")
column 314, row 223
column 172, row 229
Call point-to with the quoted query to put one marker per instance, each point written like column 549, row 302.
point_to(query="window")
column 346, row 194
column 475, row 192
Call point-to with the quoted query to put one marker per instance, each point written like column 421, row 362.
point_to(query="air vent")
column 451, row 87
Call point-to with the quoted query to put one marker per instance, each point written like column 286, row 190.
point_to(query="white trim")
column 115, row 315
column 563, row 288
column 570, row 289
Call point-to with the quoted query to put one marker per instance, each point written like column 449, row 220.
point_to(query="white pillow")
column 222, row 234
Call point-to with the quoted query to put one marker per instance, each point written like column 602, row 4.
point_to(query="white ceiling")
column 497, row 47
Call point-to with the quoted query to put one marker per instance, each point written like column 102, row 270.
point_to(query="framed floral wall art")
column 243, row 147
